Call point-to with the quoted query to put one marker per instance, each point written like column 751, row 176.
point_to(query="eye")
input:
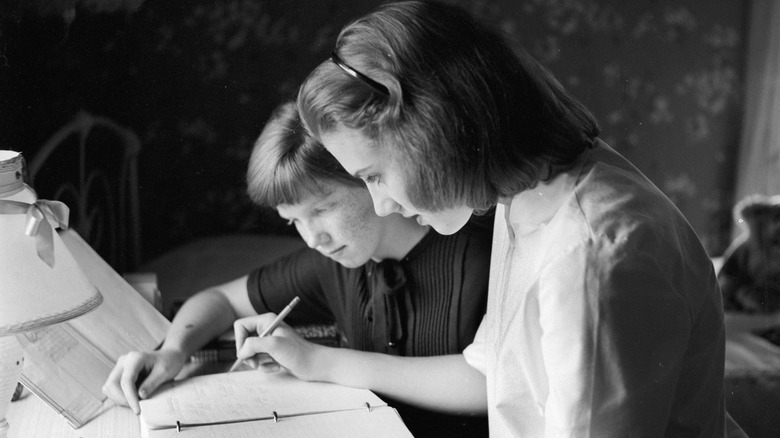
column 371, row 179
column 323, row 209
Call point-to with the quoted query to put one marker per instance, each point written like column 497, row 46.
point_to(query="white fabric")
column 759, row 152
column 604, row 316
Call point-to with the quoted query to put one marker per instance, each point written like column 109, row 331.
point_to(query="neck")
column 401, row 235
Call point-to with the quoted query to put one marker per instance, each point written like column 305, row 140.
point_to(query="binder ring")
column 276, row 416
column 368, row 406
column 178, row 426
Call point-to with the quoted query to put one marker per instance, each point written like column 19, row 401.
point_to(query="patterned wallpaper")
column 197, row 79
column 664, row 80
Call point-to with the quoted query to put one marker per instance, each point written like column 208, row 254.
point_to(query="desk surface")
column 30, row 417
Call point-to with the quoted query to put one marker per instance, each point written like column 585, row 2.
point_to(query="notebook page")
column 246, row 395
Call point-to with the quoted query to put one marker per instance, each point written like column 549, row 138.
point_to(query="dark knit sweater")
column 429, row 303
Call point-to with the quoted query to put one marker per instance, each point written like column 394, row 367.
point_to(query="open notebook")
column 255, row 403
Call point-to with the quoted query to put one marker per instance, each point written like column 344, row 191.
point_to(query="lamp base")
column 11, row 364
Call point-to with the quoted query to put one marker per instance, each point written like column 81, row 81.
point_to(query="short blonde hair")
column 287, row 164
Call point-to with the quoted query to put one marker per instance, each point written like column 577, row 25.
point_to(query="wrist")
column 322, row 363
column 177, row 352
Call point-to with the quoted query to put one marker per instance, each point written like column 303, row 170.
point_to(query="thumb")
column 153, row 381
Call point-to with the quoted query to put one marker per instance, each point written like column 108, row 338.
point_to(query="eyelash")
column 371, row 179
column 316, row 212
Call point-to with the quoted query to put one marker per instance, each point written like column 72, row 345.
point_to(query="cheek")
column 357, row 220
column 396, row 189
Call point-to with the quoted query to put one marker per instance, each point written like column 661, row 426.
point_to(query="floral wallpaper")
column 197, row 79
column 664, row 80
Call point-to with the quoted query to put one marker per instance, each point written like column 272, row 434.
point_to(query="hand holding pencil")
column 245, row 325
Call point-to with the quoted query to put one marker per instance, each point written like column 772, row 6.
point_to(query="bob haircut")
column 287, row 164
column 466, row 117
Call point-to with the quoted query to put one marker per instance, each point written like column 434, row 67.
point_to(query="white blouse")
column 604, row 315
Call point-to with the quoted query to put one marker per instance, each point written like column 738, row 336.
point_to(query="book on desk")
column 67, row 364
column 255, row 403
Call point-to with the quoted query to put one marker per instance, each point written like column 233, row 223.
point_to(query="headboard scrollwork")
column 91, row 164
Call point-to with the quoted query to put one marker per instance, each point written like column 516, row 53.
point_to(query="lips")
column 336, row 251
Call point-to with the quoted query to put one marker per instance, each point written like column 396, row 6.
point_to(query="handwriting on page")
column 227, row 400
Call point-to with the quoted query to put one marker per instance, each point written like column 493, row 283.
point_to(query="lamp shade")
column 40, row 281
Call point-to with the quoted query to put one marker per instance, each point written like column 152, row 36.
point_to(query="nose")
column 313, row 237
column 384, row 205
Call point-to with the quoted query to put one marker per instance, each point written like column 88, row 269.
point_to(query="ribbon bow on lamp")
column 40, row 281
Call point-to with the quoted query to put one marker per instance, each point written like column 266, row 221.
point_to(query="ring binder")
column 260, row 404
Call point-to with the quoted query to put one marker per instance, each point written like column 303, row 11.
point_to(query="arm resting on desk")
column 440, row 383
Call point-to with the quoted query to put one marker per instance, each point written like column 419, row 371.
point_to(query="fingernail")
column 142, row 393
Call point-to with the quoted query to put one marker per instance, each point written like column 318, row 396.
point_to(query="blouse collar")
column 532, row 209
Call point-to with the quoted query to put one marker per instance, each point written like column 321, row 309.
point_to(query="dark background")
column 196, row 81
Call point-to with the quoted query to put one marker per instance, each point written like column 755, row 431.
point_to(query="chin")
column 451, row 226
column 445, row 229
column 352, row 263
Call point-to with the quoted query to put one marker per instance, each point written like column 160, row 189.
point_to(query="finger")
column 111, row 386
column 127, row 382
column 255, row 356
column 270, row 367
column 133, row 365
column 238, row 333
column 252, row 346
column 156, row 377
column 266, row 363
column 260, row 359
column 242, row 329
column 253, row 325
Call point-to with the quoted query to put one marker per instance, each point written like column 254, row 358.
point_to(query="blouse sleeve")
column 273, row 286
column 614, row 333
column 475, row 352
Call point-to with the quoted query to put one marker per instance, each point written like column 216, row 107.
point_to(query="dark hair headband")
column 357, row 75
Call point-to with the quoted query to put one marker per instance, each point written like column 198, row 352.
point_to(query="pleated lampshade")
column 33, row 292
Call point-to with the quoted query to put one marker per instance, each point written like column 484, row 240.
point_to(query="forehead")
column 329, row 193
column 352, row 149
